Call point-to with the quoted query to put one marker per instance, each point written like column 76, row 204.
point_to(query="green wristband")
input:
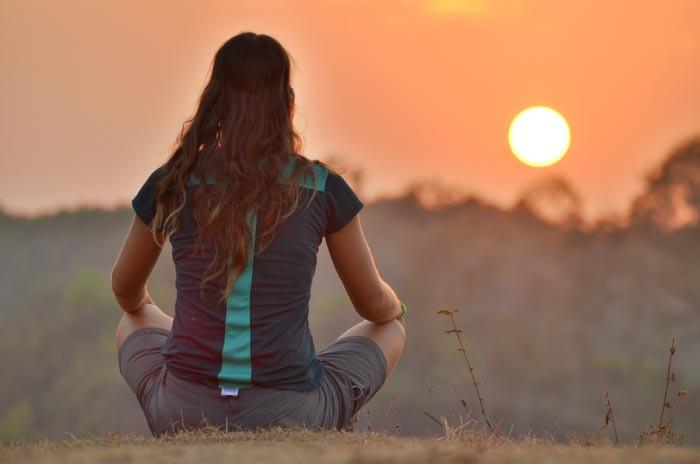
column 404, row 309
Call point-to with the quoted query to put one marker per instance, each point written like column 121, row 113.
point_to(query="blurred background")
column 567, row 278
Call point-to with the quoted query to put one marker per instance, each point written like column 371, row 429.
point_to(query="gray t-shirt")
column 260, row 334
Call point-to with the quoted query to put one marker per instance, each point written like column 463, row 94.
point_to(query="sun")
column 539, row 136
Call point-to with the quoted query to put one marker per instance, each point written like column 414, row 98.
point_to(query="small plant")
column 609, row 417
column 458, row 333
column 663, row 431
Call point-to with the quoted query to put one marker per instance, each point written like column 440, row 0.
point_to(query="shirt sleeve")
column 144, row 203
column 342, row 204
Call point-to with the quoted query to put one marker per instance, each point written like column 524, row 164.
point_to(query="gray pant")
column 354, row 370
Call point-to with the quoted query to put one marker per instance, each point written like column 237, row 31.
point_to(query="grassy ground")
column 291, row 446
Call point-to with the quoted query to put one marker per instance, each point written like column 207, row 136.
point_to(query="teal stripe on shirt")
column 318, row 182
column 236, row 368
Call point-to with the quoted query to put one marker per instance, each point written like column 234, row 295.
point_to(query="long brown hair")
column 241, row 137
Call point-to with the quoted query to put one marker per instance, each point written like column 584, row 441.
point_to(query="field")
column 291, row 446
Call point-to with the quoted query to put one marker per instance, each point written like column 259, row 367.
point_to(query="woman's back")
column 235, row 197
column 259, row 335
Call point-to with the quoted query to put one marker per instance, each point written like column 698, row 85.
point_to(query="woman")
column 245, row 214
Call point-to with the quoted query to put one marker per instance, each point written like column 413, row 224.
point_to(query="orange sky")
column 94, row 93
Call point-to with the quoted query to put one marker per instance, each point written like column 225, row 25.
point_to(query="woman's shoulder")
column 309, row 173
column 321, row 175
column 156, row 174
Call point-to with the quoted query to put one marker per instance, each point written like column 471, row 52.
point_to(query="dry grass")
column 298, row 445
column 473, row 440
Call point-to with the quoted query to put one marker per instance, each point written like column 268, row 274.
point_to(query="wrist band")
column 404, row 309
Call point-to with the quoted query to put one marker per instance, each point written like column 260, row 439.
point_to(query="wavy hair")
column 241, row 137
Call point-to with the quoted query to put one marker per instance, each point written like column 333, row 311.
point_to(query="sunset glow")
column 424, row 89
column 539, row 136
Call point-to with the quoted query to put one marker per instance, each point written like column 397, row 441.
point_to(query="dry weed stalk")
column 388, row 415
column 369, row 422
column 663, row 431
column 462, row 431
column 448, row 431
column 425, row 408
column 609, row 417
column 472, row 372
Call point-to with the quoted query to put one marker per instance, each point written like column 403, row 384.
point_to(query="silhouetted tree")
column 671, row 199
column 433, row 193
column 554, row 200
